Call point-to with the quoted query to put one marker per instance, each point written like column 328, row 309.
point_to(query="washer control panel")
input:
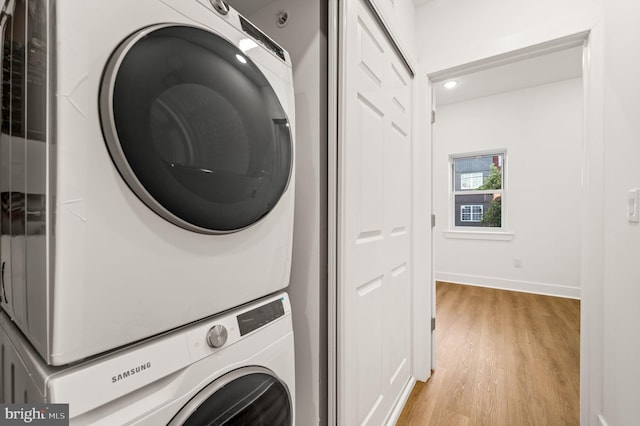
column 221, row 331
column 260, row 316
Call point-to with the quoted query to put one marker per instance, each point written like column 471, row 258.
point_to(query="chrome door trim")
column 213, row 387
column 111, row 134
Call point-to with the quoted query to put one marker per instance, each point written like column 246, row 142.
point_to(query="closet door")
column 374, row 222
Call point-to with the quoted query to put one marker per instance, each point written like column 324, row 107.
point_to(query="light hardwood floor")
column 502, row 358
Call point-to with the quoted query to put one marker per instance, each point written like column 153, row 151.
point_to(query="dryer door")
column 247, row 396
column 195, row 129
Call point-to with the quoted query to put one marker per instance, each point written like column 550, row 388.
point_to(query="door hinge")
column 433, row 220
column 433, row 324
column 433, row 116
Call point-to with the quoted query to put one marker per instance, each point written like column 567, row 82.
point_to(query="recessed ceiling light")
column 450, row 84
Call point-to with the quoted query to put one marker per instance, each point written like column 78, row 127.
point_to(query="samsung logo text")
column 131, row 372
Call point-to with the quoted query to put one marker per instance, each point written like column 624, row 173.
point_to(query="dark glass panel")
column 252, row 400
column 201, row 128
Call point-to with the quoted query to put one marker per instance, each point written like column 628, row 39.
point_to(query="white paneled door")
column 374, row 222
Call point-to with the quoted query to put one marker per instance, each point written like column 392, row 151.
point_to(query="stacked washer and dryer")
column 146, row 179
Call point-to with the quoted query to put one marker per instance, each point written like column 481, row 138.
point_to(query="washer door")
column 195, row 129
column 249, row 396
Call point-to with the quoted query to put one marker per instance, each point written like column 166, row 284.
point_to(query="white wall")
column 541, row 128
column 455, row 33
column 621, row 295
column 452, row 33
column 305, row 39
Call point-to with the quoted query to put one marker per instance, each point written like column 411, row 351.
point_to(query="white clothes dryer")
column 146, row 169
column 234, row 369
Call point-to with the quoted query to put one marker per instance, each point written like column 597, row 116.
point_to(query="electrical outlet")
column 517, row 263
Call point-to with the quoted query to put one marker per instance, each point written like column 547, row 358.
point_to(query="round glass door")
column 195, row 129
column 251, row 396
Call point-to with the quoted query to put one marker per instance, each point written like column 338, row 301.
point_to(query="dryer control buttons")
column 217, row 336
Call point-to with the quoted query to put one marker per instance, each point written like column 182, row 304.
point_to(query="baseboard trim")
column 400, row 403
column 512, row 285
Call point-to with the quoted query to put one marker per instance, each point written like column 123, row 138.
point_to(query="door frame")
column 332, row 211
column 592, row 199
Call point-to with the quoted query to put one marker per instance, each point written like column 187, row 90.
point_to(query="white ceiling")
column 548, row 68
column 545, row 69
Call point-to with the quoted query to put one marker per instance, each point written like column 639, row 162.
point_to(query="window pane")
column 471, row 180
column 480, row 210
column 478, row 173
column 471, row 213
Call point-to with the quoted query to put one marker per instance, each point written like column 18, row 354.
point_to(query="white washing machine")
column 234, row 369
column 146, row 169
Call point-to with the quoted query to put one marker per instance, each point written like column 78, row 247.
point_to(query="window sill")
column 479, row 235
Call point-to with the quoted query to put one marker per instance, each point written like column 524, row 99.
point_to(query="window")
column 478, row 189
column 472, row 213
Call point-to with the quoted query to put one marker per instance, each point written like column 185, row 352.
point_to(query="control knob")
column 217, row 336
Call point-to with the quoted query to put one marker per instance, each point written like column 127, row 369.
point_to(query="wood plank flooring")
column 502, row 358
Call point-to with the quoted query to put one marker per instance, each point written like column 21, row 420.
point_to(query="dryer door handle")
column 8, row 7
column 3, row 296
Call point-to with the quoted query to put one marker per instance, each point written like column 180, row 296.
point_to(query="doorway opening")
column 528, row 104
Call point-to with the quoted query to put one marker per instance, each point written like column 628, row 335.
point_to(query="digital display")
column 256, row 318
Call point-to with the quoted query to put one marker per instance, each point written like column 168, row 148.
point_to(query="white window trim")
column 479, row 235
column 477, row 232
